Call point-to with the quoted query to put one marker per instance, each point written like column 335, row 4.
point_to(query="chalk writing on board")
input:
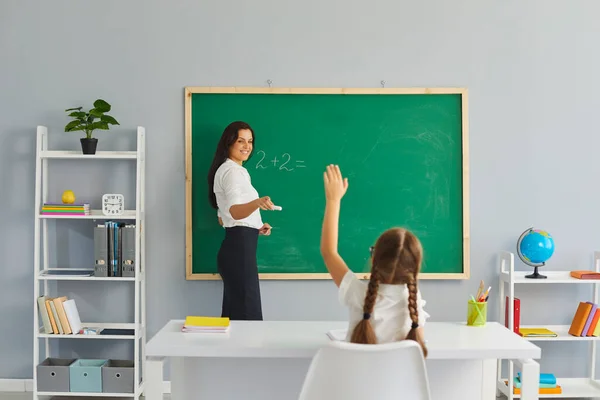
column 262, row 156
column 282, row 162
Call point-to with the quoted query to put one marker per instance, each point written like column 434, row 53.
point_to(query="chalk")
column 277, row 208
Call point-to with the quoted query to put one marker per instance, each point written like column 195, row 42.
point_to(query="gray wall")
column 531, row 68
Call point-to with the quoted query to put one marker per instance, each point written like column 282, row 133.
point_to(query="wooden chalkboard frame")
column 189, row 90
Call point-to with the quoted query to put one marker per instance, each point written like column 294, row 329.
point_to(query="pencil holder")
column 476, row 313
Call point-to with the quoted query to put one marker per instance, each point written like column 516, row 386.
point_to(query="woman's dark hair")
column 229, row 136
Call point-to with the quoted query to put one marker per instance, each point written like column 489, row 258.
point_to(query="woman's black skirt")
column 237, row 266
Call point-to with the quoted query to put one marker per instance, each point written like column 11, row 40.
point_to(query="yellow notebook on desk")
column 206, row 321
column 536, row 332
column 206, row 324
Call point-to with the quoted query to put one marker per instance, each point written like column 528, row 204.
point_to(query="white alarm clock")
column 113, row 204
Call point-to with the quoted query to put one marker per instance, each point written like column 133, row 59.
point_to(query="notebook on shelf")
column 537, row 332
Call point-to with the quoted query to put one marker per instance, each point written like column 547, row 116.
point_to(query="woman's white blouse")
column 233, row 186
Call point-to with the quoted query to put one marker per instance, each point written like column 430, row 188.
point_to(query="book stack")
column 114, row 250
column 547, row 384
column 65, row 209
column 59, row 315
column 206, row 324
column 584, row 274
column 585, row 320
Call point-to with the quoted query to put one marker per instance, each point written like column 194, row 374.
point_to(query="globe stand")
column 535, row 274
column 526, row 260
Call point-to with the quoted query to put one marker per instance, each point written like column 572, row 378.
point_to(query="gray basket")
column 53, row 375
column 117, row 376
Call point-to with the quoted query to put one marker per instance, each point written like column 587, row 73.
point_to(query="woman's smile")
column 242, row 148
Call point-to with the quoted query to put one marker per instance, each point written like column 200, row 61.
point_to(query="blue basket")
column 86, row 375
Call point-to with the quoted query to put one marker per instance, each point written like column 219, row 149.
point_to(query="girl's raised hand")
column 335, row 185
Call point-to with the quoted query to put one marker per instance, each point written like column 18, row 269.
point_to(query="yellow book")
column 596, row 330
column 542, row 390
column 536, row 332
column 556, row 390
column 206, row 321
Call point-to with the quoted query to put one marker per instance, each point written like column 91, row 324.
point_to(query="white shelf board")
column 100, row 155
column 571, row 388
column 94, row 214
column 43, row 275
column 552, row 277
column 561, row 330
column 93, row 337
column 84, row 395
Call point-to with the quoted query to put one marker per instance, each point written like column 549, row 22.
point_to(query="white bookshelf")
column 78, row 396
column 96, row 215
column 41, row 333
column 584, row 387
column 105, row 155
column 43, row 274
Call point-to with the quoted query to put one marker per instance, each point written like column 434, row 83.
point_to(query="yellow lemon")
column 68, row 197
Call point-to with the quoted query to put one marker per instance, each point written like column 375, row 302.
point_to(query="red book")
column 517, row 314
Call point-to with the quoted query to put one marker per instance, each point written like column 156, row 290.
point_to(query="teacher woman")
column 238, row 206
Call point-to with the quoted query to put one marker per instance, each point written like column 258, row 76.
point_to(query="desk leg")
column 182, row 379
column 153, row 386
column 530, row 372
column 488, row 379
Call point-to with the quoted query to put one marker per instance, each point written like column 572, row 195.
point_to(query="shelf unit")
column 586, row 387
column 42, row 270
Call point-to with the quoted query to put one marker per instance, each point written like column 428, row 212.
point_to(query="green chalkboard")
column 403, row 151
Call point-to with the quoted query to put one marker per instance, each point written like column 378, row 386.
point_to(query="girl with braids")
column 389, row 307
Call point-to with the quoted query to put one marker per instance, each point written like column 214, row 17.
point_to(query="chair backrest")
column 352, row 371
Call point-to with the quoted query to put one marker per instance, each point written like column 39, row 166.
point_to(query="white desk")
column 269, row 359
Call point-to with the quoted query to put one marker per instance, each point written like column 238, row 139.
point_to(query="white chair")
column 349, row 371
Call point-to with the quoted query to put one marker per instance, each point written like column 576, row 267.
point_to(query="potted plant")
column 86, row 121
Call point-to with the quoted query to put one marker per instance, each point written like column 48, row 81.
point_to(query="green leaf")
column 78, row 114
column 96, row 112
column 101, row 105
column 71, row 109
column 72, row 125
column 109, row 119
column 99, row 125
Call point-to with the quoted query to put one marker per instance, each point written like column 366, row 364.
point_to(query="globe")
column 535, row 247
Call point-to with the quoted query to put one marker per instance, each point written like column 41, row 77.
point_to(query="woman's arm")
column 241, row 211
column 233, row 182
column 335, row 188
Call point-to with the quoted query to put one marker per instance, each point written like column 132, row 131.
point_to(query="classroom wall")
column 531, row 68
